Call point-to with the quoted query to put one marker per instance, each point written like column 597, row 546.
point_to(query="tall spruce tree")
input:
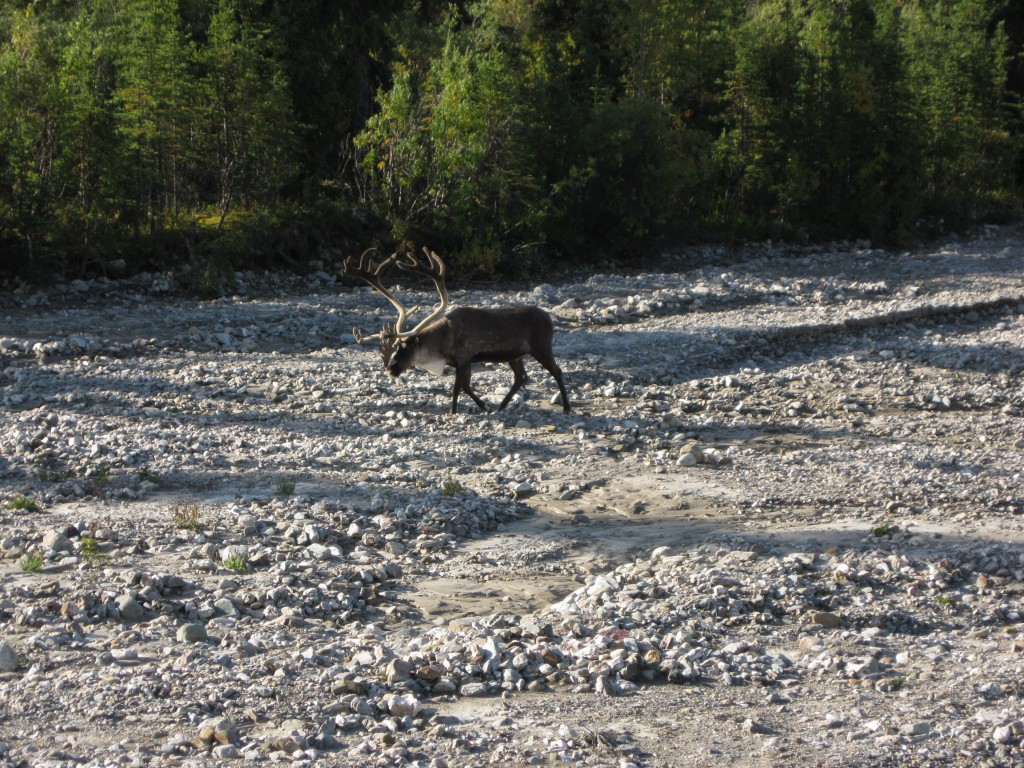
column 248, row 130
column 155, row 111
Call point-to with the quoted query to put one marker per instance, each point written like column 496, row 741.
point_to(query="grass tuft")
column 90, row 551
column 885, row 529
column 23, row 504
column 30, row 563
column 237, row 563
column 187, row 516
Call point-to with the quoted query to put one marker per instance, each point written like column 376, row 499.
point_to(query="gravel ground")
column 783, row 525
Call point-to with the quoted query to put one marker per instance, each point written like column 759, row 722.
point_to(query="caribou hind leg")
column 547, row 360
column 520, row 373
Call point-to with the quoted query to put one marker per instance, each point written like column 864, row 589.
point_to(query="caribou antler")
column 434, row 269
column 366, row 270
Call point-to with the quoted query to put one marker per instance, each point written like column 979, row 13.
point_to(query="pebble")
column 220, row 730
column 825, row 619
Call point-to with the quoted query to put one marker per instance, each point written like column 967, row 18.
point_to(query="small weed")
column 945, row 601
column 451, row 487
column 186, row 516
column 286, row 488
column 885, row 529
column 146, row 475
column 101, row 475
column 90, row 551
column 23, row 503
column 237, row 563
column 30, row 563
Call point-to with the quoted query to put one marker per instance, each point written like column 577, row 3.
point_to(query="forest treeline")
column 227, row 134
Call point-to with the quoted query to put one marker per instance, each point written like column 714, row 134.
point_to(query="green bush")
column 23, row 504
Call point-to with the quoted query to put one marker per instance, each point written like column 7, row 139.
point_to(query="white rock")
column 406, row 705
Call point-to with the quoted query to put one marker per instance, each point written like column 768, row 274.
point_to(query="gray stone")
column 825, row 619
column 752, row 726
column 862, row 667
column 234, row 550
column 129, row 608
column 398, row 671
column 319, row 551
column 8, row 658
column 445, row 685
column 57, row 541
column 405, row 705
column 191, row 633
column 916, row 729
column 226, row 752
column 687, row 460
column 227, row 606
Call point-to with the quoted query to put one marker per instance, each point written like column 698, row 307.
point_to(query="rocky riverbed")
column 782, row 526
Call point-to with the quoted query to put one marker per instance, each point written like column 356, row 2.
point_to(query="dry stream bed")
column 783, row 525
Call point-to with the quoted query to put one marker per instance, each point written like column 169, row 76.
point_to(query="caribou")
column 463, row 336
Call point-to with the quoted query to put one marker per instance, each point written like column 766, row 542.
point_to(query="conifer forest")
column 509, row 134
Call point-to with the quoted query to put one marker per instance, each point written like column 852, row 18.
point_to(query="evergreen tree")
column 248, row 131
column 155, row 102
column 957, row 68
column 447, row 151
column 91, row 159
column 30, row 105
column 765, row 102
column 821, row 132
column 496, row 129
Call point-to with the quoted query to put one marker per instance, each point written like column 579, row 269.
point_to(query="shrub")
column 237, row 563
column 23, row 504
column 30, row 563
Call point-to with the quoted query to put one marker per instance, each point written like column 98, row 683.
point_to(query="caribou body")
column 463, row 336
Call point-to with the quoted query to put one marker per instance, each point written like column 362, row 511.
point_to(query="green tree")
column 30, row 105
column 860, row 135
column 155, row 111
column 447, row 153
column 957, row 63
column 90, row 161
column 763, row 96
column 248, row 127
column 821, row 135
column 501, row 129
